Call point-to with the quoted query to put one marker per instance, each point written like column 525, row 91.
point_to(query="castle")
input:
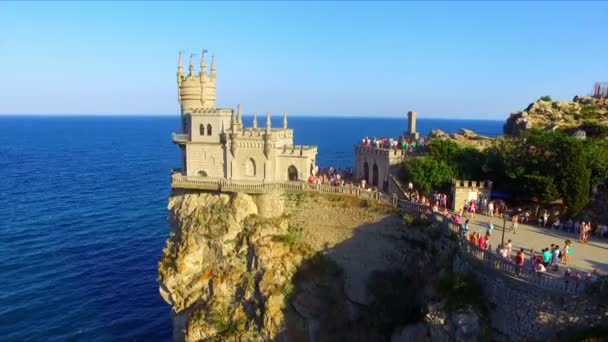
column 215, row 143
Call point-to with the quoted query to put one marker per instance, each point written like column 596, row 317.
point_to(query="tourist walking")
column 490, row 228
column 514, row 224
column 567, row 252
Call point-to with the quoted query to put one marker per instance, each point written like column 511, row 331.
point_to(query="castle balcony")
column 180, row 138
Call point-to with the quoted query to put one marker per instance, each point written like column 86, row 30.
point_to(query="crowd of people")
column 583, row 228
column 401, row 145
column 331, row 176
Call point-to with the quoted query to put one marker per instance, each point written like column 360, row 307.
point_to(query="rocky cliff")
column 545, row 113
column 302, row 267
column 464, row 137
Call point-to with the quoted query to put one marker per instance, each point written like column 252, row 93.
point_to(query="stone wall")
column 465, row 190
column 522, row 311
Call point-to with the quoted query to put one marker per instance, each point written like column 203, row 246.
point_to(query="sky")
column 476, row 60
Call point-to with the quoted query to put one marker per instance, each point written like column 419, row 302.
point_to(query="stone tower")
column 411, row 125
column 216, row 144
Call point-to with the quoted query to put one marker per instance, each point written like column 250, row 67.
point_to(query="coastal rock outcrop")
column 295, row 266
column 463, row 137
column 547, row 114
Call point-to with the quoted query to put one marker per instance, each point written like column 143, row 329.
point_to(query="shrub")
column 461, row 292
column 546, row 98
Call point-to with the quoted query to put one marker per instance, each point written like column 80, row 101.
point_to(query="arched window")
column 292, row 173
column 209, row 129
column 201, row 129
column 202, row 173
column 375, row 175
column 250, row 167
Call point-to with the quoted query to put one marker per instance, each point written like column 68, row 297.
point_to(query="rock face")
column 547, row 114
column 224, row 268
column 463, row 137
column 271, row 267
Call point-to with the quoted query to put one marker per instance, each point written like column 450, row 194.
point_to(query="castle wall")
column 463, row 191
column 204, row 157
column 525, row 312
column 387, row 162
column 250, row 162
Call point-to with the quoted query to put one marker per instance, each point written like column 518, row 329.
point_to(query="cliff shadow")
column 359, row 289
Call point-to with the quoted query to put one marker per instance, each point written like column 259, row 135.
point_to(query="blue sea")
column 83, row 206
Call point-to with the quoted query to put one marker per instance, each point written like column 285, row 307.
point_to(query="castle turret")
column 284, row 120
column 180, row 67
column 191, row 68
column 267, row 138
column 203, row 71
column 255, row 120
column 202, row 76
column 212, row 73
column 239, row 115
column 180, row 74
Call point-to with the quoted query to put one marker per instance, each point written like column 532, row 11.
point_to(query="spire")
column 212, row 73
column 232, row 121
column 203, row 64
column 284, row 120
column 180, row 68
column 191, row 69
column 255, row 120
column 239, row 114
column 268, row 123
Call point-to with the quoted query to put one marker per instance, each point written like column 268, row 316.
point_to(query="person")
column 556, row 257
column 519, row 261
column 465, row 227
column 556, row 223
column 514, row 224
column 545, row 218
column 504, row 252
column 482, row 243
column 491, row 209
column 474, row 238
column 540, row 268
column 546, row 256
column 509, row 248
column 490, row 228
column 410, row 186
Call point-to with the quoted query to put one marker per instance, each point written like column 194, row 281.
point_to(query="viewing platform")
column 179, row 181
column 180, row 138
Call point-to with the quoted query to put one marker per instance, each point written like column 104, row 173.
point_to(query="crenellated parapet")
column 471, row 184
column 464, row 191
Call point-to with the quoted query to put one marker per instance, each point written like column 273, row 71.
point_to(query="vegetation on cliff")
column 546, row 114
column 542, row 165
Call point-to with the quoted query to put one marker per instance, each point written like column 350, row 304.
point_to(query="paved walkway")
column 585, row 258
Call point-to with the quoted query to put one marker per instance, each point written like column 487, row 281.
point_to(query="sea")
column 83, row 216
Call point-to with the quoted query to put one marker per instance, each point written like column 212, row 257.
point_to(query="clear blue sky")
column 442, row 59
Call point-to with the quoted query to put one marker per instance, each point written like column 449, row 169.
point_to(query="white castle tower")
column 215, row 143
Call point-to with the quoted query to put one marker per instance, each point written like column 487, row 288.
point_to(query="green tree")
column 428, row 173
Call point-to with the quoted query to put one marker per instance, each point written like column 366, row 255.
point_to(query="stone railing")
column 399, row 186
column 180, row 138
column 179, row 181
column 485, row 259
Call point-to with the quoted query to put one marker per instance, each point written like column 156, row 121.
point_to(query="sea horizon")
column 250, row 115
